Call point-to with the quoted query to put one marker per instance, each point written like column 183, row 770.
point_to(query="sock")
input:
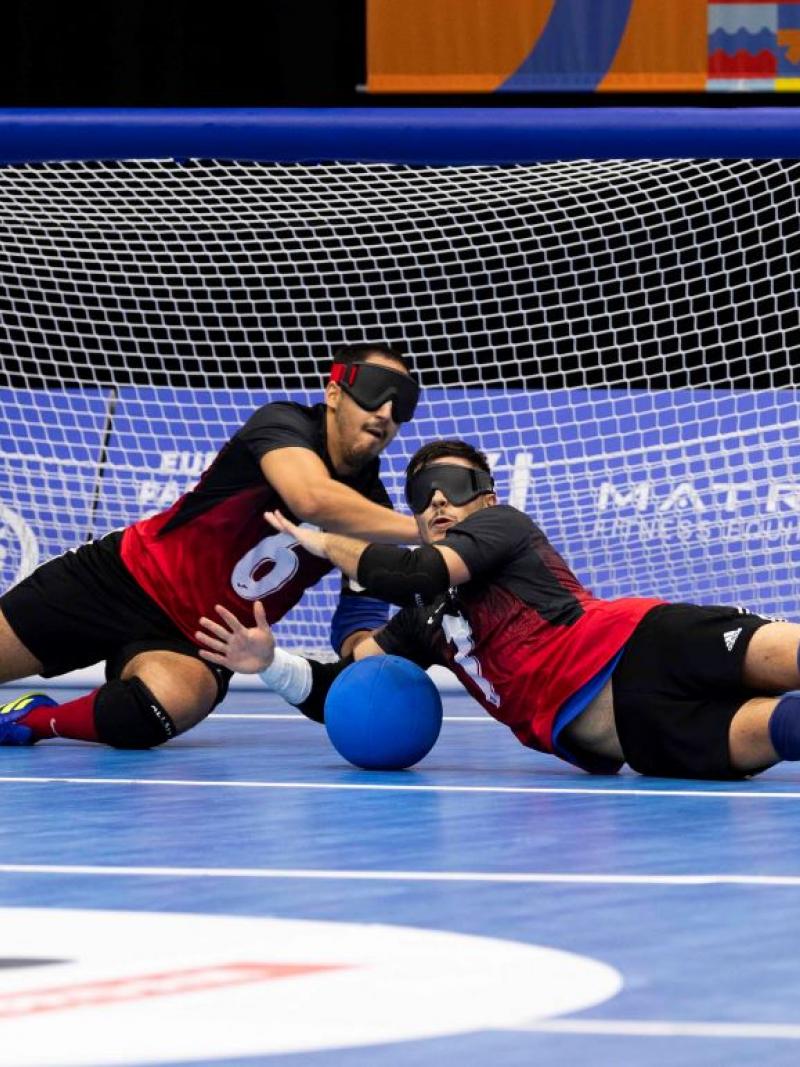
column 74, row 719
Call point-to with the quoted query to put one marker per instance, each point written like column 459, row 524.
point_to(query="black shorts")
column 85, row 607
column 677, row 687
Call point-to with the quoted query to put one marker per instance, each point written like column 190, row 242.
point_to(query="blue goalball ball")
column 383, row 713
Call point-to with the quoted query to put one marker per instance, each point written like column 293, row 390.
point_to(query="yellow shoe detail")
column 20, row 703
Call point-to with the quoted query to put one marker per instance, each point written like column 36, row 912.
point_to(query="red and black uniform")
column 523, row 635
column 147, row 586
column 213, row 546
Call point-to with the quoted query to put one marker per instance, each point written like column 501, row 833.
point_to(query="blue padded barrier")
column 399, row 135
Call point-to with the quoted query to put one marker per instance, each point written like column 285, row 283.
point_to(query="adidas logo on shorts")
column 730, row 638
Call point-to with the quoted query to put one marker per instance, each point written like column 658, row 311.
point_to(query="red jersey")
column 523, row 635
column 213, row 546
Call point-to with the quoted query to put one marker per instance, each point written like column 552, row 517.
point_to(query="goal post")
column 604, row 300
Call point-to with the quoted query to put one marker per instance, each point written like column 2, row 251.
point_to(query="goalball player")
column 132, row 599
column 674, row 690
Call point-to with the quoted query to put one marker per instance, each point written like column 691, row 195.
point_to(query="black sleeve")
column 323, row 675
column 406, row 634
column 490, row 538
column 403, row 576
column 281, row 425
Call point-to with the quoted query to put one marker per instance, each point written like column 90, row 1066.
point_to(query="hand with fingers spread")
column 248, row 650
column 343, row 552
column 312, row 540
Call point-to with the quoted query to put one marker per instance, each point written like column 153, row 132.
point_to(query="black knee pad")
column 127, row 715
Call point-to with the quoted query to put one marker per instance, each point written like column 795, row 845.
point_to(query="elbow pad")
column 323, row 675
column 401, row 576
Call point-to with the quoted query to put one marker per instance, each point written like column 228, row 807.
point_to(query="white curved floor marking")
column 138, row 987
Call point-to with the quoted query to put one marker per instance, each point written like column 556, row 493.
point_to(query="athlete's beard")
column 355, row 456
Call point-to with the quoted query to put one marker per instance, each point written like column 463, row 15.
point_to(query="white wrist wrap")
column 289, row 676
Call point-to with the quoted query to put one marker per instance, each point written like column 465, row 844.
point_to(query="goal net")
column 619, row 336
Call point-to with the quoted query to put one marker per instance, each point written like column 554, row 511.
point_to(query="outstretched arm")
column 302, row 480
column 396, row 574
column 252, row 650
column 343, row 552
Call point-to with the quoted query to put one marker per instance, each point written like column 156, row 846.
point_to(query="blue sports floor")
column 424, row 905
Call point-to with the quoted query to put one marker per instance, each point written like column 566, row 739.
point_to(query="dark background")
column 182, row 53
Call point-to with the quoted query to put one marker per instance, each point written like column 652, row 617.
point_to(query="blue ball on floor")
column 383, row 713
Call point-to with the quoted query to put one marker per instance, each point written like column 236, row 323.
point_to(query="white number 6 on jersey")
column 279, row 549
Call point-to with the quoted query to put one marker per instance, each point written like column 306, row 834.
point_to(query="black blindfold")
column 459, row 484
column 371, row 385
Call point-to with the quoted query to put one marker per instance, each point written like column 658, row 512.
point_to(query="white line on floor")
column 299, row 717
column 189, row 783
column 662, row 1028
column 509, row 878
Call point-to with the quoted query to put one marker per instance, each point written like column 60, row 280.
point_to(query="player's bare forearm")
column 344, row 552
column 342, row 510
column 302, row 480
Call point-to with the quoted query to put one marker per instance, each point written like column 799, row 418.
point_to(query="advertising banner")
column 686, row 494
column 51, row 444
column 483, row 46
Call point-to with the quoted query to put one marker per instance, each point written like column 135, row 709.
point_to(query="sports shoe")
column 12, row 731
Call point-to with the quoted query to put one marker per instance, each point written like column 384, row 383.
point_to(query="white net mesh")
column 618, row 336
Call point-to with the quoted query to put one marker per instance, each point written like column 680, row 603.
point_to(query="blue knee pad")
column 784, row 726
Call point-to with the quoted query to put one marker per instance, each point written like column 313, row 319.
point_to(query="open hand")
column 311, row 539
column 248, row 650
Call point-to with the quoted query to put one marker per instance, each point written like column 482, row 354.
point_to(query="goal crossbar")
column 419, row 136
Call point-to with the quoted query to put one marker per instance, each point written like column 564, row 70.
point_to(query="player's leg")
column 186, row 687
column 158, row 694
column 68, row 613
column 749, row 741
column 83, row 608
column 767, row 729
column 153, row 694
column 771, row 661
column 681, row 685
column 16, row 661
